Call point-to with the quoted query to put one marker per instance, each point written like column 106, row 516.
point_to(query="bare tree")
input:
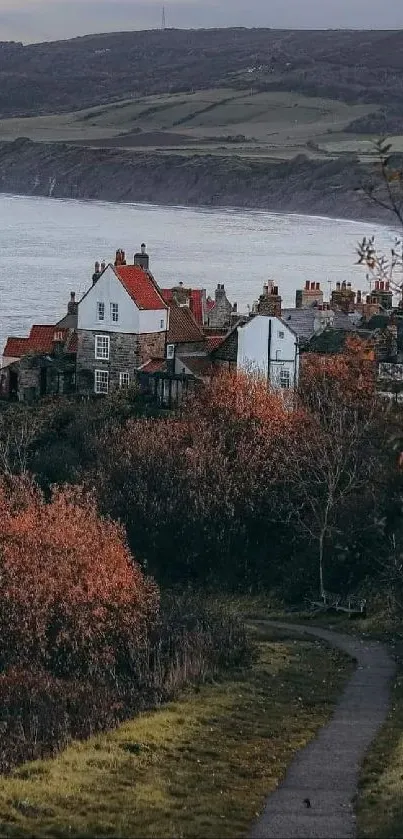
column 385, row 190
column 19, row 427
column 337, row 462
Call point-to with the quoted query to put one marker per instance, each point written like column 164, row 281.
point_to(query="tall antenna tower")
column 163, row 21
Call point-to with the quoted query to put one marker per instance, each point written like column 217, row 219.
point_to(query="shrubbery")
column 84, row 640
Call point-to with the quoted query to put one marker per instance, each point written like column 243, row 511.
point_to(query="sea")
column 48, row 248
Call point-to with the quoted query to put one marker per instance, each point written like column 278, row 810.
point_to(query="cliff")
column 322, row 187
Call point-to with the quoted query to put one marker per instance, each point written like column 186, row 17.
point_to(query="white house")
column 122, row 323
column 266, row 345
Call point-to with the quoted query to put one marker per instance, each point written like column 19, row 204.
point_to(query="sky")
column 40, row 20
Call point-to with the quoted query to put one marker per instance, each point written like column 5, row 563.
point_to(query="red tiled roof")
column 214, row 341
column 141, row 287
column 15, row 348
column 210, row 304
column 198, row 365
column 183, row 328
column 72, row 345
column 196, row 302
column 154, row 365
column 40, row 340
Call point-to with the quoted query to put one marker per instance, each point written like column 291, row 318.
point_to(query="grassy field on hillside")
column 277, row 124
column 200, row 767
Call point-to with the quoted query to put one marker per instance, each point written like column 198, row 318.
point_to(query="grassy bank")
column 201, row 767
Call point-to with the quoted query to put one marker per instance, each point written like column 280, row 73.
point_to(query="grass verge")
column 201, row 767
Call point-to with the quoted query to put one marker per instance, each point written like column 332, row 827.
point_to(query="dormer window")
column 114, row 312
column 101, row 311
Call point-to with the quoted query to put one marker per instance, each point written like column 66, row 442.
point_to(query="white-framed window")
column 100, row 311
column 114, row 312
column 285, row 379
column 124, row 380
column 281, row 334
column 101, row 381
column 102, row 346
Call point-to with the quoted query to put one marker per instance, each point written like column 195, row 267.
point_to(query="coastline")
column 301, row 187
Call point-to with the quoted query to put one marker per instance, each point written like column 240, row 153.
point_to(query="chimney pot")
column 376, row 285
column 382, row 285
column 103, row 265
column 343, row 285
column 312, row 286
column 317, row 286
column 307, row 285
column 143, row 248
column 338, row 286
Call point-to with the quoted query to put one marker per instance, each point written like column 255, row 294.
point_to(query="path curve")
column 327, row 771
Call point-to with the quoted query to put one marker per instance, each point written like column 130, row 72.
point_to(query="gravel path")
column 326, row 772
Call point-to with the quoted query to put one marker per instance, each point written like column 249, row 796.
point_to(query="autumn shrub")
column 72, row 600
column 191, row 641
column 84, row 639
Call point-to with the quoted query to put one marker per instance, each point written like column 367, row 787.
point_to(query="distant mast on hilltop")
column 163, row 20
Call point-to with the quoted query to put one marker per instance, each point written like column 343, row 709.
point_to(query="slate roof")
column 301, row 321
column 183, row 328
column 141, row 287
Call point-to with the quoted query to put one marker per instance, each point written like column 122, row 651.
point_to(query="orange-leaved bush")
column 71, row 598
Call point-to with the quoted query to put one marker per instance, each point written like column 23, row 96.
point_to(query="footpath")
column 316, row 799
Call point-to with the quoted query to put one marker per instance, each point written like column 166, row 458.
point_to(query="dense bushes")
column 72, row 600
column 191, row 642
column 84, row 641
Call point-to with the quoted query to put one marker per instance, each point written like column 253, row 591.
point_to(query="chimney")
column 382, row 285
column 58, row 342
column 359, row 297
column 72, row 306
column 309, row 296
column 387, row 286
column 235, row 308
column 141, row 258
column 97, row 273
column 338, row 286
column 376, row 285
column 120, row 258
column 103, row 265
column 343, row 286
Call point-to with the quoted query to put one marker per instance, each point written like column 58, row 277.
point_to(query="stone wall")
column 127, row 353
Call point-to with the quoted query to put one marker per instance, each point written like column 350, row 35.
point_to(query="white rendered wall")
column 132, row 320
column 253, row 349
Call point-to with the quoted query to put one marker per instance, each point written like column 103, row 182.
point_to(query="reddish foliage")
column 71, row 597
column 350, row 373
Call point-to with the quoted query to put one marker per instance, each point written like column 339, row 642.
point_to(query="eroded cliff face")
column 59, row 170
